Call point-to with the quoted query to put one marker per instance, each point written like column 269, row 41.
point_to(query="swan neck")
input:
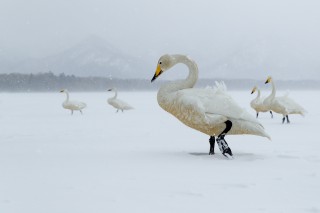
column 273, row 93
column 67, row 99
column 192, row 78
column 115, row 94
column 258, row 96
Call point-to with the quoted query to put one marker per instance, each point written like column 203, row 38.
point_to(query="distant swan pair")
column 78, row 106
column 210, row 111
column 282, row 105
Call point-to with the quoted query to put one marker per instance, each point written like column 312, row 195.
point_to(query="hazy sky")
column 202, row 28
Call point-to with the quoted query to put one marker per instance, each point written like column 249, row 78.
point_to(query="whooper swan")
column 72, row 105
column 117, row 103
column 282, row 105
column 257, row 103
column 211, row 111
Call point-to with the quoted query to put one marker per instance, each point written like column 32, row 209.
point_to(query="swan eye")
column 160, row 62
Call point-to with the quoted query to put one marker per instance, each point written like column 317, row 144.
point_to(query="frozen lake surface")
column 145, row 160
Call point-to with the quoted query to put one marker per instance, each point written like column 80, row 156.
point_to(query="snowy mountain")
column 10, row 61
column 256, row 60
column 94, row 56
column 91, row 57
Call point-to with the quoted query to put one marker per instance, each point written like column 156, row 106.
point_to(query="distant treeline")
column 47, row 82
column 42, row 82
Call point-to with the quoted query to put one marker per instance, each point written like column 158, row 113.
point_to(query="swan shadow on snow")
column 237, row 156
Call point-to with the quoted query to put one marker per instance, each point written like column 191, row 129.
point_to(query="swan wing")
column 289, row 104
column 123, row 104
column 216, row 104
column 119, row 104
column 78, row 104
column 74, row 105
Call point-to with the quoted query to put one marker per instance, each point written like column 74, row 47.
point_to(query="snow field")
column 145, row 160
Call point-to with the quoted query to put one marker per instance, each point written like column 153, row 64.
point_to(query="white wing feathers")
column 76, row 104
column 215, row 103
column 290, row 105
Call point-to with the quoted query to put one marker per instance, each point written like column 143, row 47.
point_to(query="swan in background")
column 210, row 111
column 282, row 105
column 72, row 105
column 257, row 103
column 117, row 103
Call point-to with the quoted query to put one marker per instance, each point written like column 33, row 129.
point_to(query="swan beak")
column 61, row 91
column 109, row 89
column 268, row 80
column 157, row 73
column 253, row 90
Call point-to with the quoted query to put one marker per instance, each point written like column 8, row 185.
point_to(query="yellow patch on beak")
column 253, row 90
column 157, row 73
column 268, row 80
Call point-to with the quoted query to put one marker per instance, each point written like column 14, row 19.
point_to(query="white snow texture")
column 145, row 160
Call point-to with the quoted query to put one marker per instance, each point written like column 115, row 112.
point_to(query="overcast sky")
column 202, row 28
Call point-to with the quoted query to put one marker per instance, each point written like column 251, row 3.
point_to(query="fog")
column 274, row 37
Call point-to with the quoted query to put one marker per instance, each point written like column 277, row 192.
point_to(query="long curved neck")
column 258, row 96
column 115, row 94
column 273, row 93
column 189, row 82
column 67, row 100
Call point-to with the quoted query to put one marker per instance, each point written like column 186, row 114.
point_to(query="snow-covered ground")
column 145, row 160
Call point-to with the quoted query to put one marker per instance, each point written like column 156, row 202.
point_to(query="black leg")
column 287, row 119
column 257, row 114
column 271, row 114
column 212, row 144
column 283, row 119
column 223, row 146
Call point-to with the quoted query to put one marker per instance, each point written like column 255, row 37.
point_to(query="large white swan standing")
column 283, row 104
column 211, row 111
column 72, row 105
column 117, row 103
column 257, row 103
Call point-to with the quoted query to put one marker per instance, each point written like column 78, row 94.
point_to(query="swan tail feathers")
column 303, row 112
column 248, row 127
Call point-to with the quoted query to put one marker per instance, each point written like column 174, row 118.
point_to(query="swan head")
column 64, row 90
column 269, row 79
column 112, row 89
column 254, row 89
column 165, row 62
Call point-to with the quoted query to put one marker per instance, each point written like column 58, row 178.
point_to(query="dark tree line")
column 42, row 82
column 47, row 82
